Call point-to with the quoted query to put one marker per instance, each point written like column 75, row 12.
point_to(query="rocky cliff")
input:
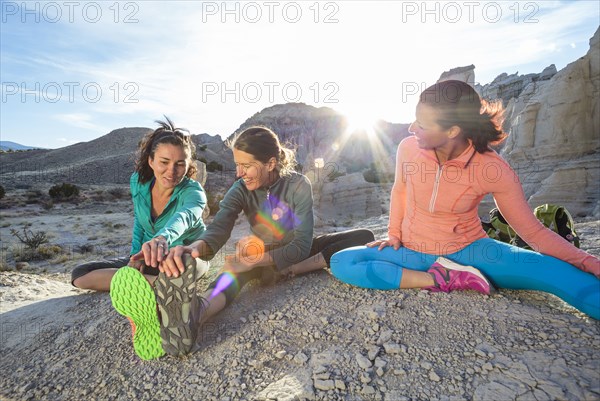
column 554, row 139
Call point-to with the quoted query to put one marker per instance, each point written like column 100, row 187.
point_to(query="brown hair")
column 459, row 105
column 262, row 143
column 165, row 133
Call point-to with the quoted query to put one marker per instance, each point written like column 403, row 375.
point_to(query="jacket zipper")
column 436, row 185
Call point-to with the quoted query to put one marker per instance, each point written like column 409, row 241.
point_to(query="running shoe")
column 450, row 276
column 180, row 307
column 133, row 297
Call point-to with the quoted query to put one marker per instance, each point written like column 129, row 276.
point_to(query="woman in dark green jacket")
column 278, row 203
column 167, row 205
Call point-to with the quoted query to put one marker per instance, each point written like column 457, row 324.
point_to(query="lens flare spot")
column 225, row 281
column 277, row 213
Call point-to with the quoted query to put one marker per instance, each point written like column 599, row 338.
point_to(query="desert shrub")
column 203, row 160
column 47, row 252
column 64, row 191
column 214, row 166
column 2, row 192
column 30, row 239
column 22, row 253
column 202, row 148
column 85, row 248
column 26, row 254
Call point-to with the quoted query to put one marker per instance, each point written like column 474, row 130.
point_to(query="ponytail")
column 287, row 161
column 459, row 105
column 263, row 144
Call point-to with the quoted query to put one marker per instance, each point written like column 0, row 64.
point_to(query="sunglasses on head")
column 185, row 136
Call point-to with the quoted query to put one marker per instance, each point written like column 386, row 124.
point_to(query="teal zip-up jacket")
column 180, row 222
column 281, row 215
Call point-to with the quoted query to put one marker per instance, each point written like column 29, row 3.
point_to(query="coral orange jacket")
column 433, row 207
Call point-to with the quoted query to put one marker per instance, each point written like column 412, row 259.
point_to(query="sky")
column 72, row 71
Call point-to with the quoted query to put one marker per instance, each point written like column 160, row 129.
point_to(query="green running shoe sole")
column 133, row 297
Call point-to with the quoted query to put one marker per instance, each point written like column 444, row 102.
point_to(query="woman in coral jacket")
column 435, row 239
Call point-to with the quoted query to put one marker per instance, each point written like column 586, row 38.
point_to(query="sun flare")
column 360, row 122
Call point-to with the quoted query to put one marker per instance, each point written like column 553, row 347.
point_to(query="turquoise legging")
column 505, row 265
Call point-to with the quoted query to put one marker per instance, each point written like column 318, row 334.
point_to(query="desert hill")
column 553, row 120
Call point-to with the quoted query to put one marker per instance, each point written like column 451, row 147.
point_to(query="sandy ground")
column 311, row 337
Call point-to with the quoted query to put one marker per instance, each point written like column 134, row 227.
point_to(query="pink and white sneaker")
column 451, row 276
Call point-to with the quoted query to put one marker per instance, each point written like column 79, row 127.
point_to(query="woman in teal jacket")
column 167, row 206
column 278, row 204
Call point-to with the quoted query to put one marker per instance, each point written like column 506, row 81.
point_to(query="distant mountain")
column 105, row 160
column 8, row 145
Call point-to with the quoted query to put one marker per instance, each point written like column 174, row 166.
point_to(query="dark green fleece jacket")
column 280, row 215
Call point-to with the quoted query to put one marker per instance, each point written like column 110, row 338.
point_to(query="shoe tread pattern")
column 178, row 304
column 132, row 297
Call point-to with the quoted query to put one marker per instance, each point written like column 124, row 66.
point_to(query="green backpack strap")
column 558, row 219
column 500, row 230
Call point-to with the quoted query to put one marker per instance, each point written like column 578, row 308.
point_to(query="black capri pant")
column 114, row 263
column 326, row 244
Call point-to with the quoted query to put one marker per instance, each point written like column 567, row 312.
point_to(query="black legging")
column 327, row 244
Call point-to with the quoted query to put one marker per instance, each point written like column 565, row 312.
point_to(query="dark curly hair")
column 165, row 133
column 459, row 105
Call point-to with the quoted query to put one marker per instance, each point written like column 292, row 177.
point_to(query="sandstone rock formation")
column 554, row 139
column 348, row 197
column 507, row 87
column 465, row 74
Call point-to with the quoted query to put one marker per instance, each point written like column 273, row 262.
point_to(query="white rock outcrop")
column 554, row 139
column 349, row 197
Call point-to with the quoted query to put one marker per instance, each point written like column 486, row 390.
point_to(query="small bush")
column 202, row 147
column 47, row 251
column 2, row 192
column 85, row 248
column 30, row 239
column 64, row 191
column 26, row 254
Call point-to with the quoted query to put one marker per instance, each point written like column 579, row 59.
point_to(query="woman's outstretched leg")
column 515, row 268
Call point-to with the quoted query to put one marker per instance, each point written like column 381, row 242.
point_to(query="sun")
column 360, row 122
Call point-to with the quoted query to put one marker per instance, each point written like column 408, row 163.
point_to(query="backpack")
column 556, row 218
